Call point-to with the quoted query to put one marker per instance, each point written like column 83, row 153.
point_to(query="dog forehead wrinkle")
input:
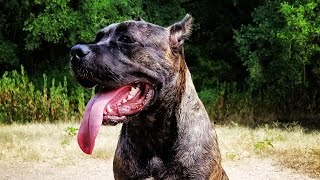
column 146, row 32
column 143, row 25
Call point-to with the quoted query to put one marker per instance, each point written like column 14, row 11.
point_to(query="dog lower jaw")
column 113, row 120
column 128, row 103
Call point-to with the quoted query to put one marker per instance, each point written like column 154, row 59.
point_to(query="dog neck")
column 195, row 132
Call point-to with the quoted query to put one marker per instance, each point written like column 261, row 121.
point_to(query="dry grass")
column 291, row 145
column 51, row 143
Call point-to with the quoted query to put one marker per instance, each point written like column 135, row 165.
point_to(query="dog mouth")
column 110, row 108
column 130, row 101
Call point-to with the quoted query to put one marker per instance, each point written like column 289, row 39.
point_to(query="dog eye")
column 126, row 39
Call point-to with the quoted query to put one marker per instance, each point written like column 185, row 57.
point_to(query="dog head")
column 132, row 64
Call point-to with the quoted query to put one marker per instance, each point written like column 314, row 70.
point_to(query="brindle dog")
column 144, row 83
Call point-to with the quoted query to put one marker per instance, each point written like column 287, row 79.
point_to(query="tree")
column 212, row 52
column 69, row 22
column 279, row 48
column 13, row 13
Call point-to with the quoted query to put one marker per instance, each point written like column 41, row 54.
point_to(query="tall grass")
column 22, row 102
column 227, row 104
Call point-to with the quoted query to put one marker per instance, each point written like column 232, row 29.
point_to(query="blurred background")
column 252, row 62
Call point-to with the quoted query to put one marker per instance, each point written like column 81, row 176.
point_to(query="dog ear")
column 180, row 31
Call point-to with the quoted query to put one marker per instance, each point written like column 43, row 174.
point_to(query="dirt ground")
column 245, row 169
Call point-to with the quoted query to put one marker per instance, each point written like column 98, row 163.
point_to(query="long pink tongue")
column 92, row 120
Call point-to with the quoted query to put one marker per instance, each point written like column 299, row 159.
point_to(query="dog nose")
column 80, row 51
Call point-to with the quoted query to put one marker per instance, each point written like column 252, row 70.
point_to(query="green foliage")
column 279, row 50
column 8, row 58
column 164, row 12
column 280, row 44
column 50, row 24
column 225, row 104
column 21, row 102
column 70, row 133
column 209, row 98
column 264, row 144
column 94, row 15
column 207, row 72
column 270, row 136
column 68, row 22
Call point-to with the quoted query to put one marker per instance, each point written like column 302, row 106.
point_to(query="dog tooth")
column 109, row 110
column 129, row 97
column 133, row 92
column 124, row 100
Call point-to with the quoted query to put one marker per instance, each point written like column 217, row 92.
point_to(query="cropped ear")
column 180, row 31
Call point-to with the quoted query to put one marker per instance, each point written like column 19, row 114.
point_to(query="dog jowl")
column 143, row 82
